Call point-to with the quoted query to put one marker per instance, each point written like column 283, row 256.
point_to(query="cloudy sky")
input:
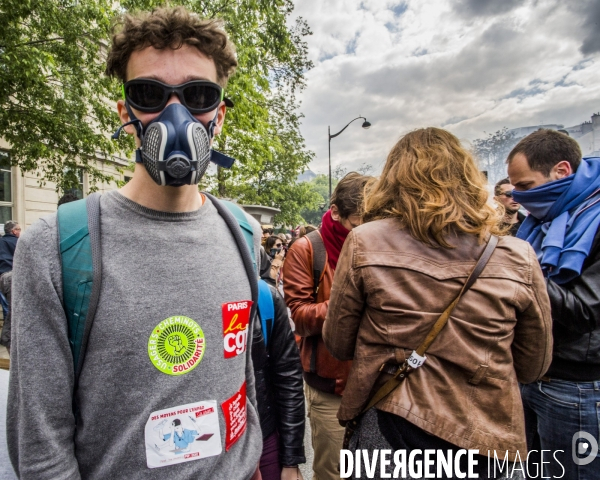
column 470, row 66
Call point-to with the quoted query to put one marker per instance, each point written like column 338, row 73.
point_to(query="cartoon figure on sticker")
column 183, row 433
column 178, row 439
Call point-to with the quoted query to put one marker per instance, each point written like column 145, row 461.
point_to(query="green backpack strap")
column 247, row 229
column 79, row 245
column 243, row 234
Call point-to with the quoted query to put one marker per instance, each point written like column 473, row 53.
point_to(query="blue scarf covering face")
column 564, row 217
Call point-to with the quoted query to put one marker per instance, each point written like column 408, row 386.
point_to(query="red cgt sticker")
column 234, row 410
column 236, row 317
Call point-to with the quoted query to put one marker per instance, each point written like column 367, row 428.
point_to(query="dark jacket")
column 279, row 389
column 321, row 370
column 8, row 243
column 576, row 316
column 514, row 228
column 388, row 291
column 265, row 264
column 5, row 288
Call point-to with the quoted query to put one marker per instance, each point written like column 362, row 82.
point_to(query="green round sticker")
column 176, row 345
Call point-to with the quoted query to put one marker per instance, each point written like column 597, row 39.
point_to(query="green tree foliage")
column 320, row 186
column 58, row 108
column 270, row 178
column 492, row 152
column 52, row 91
column 262, row 131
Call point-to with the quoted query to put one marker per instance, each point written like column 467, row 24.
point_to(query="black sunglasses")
column 151, row 96
column 508, row 194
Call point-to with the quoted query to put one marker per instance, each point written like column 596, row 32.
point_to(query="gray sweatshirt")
column 172, row 284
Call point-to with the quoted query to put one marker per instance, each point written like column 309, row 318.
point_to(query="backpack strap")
column 81, row 260
column 247, row 229
column 319, row 260
column 266, row 309
column 243, row 233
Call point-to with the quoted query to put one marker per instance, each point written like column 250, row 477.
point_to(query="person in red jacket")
column 316, row 255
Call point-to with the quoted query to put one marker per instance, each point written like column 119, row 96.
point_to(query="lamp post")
column 365, row 125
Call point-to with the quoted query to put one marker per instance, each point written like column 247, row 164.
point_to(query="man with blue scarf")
column 562, row 193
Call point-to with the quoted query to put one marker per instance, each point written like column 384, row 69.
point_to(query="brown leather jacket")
column 388, row 291
column 328, row 374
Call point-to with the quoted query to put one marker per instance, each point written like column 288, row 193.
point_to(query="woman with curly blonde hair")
column 427, row 222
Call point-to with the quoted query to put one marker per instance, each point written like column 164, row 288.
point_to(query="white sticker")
column 415, row 360
column 182, row 434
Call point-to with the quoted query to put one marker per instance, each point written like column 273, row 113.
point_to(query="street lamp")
column 365, row 125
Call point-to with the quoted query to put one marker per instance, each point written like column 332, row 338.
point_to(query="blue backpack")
column 266, row 309
column 81, row 258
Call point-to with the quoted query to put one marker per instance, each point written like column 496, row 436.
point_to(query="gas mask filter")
column 175, row 146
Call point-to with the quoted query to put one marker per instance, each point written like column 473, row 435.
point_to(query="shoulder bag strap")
column 417, row 358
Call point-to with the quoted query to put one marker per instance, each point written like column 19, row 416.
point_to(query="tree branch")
column 35, row 42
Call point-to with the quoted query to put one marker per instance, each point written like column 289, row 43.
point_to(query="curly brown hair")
column 170, row 28
column 432, row 185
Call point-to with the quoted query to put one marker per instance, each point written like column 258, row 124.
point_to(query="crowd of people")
column 418, row 316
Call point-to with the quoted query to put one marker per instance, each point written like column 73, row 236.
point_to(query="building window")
column 77, row 190
column 6, row 203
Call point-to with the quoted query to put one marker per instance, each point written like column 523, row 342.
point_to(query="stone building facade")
column 23, row 199
column 587, row 135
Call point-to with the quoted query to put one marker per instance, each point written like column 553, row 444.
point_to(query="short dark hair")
column 497, row 189
column 545, row 148
column 176, row 422
column 9, row 226
column 349, row 193
column 170, row 28
column 67, row 198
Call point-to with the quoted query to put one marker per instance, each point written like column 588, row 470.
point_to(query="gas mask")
column 175, row 146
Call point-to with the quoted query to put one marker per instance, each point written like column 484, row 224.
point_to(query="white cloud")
column 467, row 65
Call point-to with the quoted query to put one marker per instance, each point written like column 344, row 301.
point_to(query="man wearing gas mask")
column 169, row 333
